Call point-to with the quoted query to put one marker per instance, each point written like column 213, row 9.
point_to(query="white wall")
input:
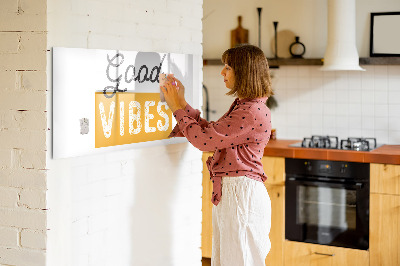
column 131, row 207
column 23, row 132
column 345, row 103
column 305, row 18
column 311, row 102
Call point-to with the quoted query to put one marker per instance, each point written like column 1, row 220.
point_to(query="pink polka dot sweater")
column 238, row 139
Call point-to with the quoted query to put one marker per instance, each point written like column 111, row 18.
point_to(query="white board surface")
column 79, row 73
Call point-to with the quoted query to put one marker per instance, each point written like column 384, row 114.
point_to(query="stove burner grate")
column 332, row 142
column 327, row 142
column 358, row 144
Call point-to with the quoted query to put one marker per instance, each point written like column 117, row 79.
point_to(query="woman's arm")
column 195, row 114
column 174, row 93
column 239, row 127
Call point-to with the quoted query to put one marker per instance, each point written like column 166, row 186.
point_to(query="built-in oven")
column 327, row 202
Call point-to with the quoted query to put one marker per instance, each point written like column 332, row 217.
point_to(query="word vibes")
column 130, row 118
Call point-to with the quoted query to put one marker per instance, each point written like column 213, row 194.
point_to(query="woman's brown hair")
column 250, row 66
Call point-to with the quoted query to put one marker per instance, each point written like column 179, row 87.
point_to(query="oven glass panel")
column 326, row 207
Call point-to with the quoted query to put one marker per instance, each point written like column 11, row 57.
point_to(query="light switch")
column 84, row 125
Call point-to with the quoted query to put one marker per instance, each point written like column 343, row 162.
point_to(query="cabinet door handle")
column 325, row 254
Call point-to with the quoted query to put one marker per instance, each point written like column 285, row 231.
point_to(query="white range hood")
column 341, row 51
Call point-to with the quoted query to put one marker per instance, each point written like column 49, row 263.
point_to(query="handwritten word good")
column 142, row 75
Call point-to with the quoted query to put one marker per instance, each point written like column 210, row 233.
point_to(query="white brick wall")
column 23, row 128
column 9, row 237
column 33, row 239
column 100, row 206
column 9, row 197
column 132, row 207
column 23, row 178
column 11, row 256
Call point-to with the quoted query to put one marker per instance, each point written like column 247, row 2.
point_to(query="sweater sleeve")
column 231, row 130
column 193, row 113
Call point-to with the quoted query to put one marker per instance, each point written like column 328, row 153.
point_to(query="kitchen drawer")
column 305, row 254
column 385, row 178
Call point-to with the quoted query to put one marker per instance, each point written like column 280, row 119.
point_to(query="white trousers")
column 241, row 223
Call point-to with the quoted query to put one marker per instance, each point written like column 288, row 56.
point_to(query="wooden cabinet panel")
column 384, row 236
column 277, row 233
column 206, row 226
column 274, row 168
column 305, row 254
column 385, row 178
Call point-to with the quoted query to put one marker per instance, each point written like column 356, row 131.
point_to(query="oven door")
column 327, row 213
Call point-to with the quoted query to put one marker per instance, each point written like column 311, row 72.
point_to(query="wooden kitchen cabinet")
column 384, row 236
column 306, row 254
column 385, row 178
column 274, row 168
column 206, row 225
column 277, row 233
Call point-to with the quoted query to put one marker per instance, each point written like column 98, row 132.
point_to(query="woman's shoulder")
column 255, row 109
column 259, row 109
column 256, row 104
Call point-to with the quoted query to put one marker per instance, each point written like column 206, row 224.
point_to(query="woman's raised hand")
column 181, row 91
column 172, row 93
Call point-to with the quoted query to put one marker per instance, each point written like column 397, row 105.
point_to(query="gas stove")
column 332, row 142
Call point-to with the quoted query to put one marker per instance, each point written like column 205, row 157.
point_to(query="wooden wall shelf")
column 380, row 61
column 295, row 62
column 273, row 63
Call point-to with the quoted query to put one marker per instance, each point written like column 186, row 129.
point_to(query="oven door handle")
column 357, row 185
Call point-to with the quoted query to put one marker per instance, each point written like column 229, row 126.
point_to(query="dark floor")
column 206, row 261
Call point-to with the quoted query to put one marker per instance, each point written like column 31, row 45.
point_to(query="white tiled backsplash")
column 313, row 102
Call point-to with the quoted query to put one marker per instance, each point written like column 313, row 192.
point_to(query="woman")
column 242, row 208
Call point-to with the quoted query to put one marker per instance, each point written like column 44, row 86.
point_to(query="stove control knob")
column 308, row 166
column 343, row 168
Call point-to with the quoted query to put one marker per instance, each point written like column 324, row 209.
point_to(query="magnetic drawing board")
column 106, row 100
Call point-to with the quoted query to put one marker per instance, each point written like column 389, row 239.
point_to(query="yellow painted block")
column 130, row 117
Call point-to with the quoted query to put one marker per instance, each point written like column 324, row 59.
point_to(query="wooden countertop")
column 389, row 154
